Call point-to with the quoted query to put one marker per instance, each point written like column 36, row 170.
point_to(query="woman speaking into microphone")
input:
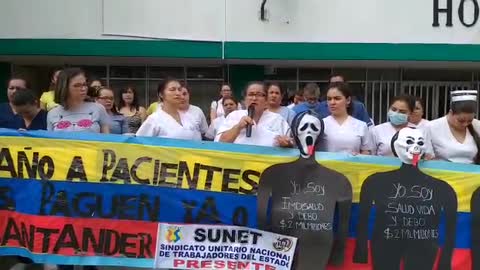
column 256, row 125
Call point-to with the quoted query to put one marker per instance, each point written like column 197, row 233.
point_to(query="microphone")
column 251, row 112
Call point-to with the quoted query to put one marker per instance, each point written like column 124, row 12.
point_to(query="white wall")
column 50, row 19
column 173, row 19
column 371, row 21
column 376, row 21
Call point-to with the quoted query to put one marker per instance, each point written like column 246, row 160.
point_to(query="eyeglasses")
column 15, row 88
column 107, row 98
column 80, row 85
column 257, row 94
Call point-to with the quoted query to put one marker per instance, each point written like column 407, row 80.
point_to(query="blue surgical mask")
column 396, row 118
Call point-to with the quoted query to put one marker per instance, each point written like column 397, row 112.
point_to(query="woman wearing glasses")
column 268, row 128
column 118, row 123
column 8, row 116
column 74, row 114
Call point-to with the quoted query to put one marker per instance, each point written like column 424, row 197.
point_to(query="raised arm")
column 213, row 111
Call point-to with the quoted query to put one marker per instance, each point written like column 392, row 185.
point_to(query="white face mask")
column 409, row 146
column 308, row 131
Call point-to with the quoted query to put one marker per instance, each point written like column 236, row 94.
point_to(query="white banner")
column 222, row 247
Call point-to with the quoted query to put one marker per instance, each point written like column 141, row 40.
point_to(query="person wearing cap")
column 455, row 137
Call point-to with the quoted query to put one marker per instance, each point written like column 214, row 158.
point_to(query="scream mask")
column 307, row 129
column 408, row 145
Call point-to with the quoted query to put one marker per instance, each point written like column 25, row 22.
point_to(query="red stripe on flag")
column 78, row 236
column 461, row 259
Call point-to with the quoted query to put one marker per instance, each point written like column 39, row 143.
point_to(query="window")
column 203, row 73
column 281, row 74
column 130, row 72
column 352, row 74
column 203, row 93
column 383, row 74
column 436, row 75
column 97, row 72
column 314, row 74
column 152, row 91
column 165, row 72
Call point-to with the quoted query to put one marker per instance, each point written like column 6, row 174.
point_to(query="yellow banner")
column 181, row 167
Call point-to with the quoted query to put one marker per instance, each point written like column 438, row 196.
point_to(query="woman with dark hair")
column 94, row 86
column 118, row 123
column 344, row 133
column 268, row 129
column 416, row 119
column 47, row 99
column 170, row 121
column 229, row 105
column 26, row 104
column 194, row 111
column 94, row 82
column 400, row 109
column 73, row 113
column 216, row 108
column 128, row 106
column 455, row 136
column 275, row 97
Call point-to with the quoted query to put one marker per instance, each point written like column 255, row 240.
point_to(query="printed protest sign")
column 222, row 247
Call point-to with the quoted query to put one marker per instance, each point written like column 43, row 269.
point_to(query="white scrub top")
column 199, row 117
column 446, row 147
column 381, row 139
column 382, row 135
column 351, row 136
column 421, row 125
column 218, row 106
column 264, row 132
column 161, row 124
column 214, row 126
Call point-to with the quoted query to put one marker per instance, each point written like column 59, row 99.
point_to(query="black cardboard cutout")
column 408, row 205
column 475, row 229
column 303, row 196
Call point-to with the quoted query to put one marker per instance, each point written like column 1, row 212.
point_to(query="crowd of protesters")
column 73, row 103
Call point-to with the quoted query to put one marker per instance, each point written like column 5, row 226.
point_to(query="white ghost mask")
column 409, row 145
column 307, row 130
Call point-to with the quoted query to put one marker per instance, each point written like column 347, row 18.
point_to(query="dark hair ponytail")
column 476, row 138
column 468, row 106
